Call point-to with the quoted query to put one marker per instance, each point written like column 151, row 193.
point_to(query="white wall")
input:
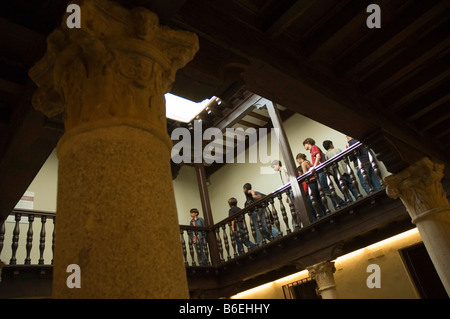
column 187, row 195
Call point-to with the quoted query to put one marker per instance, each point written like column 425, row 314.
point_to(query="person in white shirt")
column 333, row 151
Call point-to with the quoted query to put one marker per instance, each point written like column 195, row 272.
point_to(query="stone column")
column 420, row 189
column 322, row 273
column 116, row 213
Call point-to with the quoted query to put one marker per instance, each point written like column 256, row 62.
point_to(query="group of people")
column 317, row 209
column 317, row 158
column 238, row 231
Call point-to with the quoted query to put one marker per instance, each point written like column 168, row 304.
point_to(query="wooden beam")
column 27, row 151
column 412, row 56
column 289, row 16
column 333, row 22
column 241, row 110
column 259, row 116
column 427, row 76
column 374, row 48
column 299, row 196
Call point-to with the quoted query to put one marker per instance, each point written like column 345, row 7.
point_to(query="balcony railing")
column 271, row 218
column 266, row 220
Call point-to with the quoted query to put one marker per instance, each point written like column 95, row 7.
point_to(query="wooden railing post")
column 15, row 240
column 29, row 239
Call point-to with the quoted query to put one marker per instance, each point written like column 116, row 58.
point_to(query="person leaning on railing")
column 341, row 167
column 317, row 158
column 252, row 196
column 237, row 225
column 363, row 155
column 304, row 167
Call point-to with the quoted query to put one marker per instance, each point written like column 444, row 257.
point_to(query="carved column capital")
column 420, row 189
column 119, row 64
column 322, row 273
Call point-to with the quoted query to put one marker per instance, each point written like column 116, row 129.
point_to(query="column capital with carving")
column 322, row 273
column 420, row 189
column 119, row 64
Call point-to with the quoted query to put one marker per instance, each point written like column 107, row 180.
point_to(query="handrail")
column 258, row 226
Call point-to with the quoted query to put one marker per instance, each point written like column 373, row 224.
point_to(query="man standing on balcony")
column 363, row 155
column 197, row 236
column 317, row 158
column 237, row 227
column 253, row 196
column 341, row 167
column 277, row 166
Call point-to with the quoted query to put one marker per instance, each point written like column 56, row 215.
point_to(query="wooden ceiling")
column 388, row 87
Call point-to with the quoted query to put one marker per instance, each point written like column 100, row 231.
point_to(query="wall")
column 187, row 195
column 351, row 273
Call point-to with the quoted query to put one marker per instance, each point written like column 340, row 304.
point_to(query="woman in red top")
column 305, row 166
column 317, row 158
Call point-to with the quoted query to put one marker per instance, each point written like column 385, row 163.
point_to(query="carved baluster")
column 365, row 176
column 183, row 245
column 42, row 241
column 294, row 216
column 253, row 228
column 275, row 216
column 343, row 187
column 323, row 196
column 314, row 199
column 283, row 213
column 375, row 165
column 29, row 239
column 219, row 244
column 233, row 238
column 225, row 239
column 236, row 237
column 352, row 176
column 15, row 239
column 205, row 247
column 2, row 235
column 191, row 247
column 268, row 220
column 332, row 189
column 246, row 233
column 259, row 222
column 53, row 238
column 198, row 247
